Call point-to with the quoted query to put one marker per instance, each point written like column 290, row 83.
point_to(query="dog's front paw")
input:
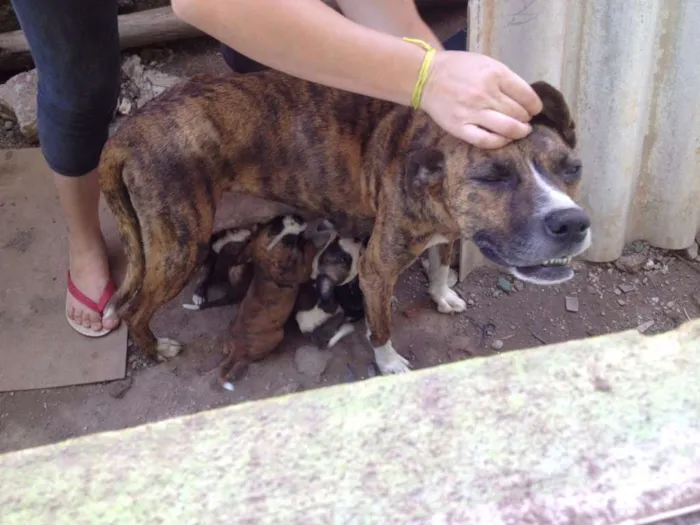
column 389, row 361
column 167, row 348
column 196, row 304
column 448, row 301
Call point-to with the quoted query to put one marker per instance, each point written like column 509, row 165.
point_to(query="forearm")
column 308, row 39
column 394, row 17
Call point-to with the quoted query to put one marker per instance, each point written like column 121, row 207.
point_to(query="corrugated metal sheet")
column 631, row 72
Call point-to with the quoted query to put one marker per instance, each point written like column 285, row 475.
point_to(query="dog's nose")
column 568, row 225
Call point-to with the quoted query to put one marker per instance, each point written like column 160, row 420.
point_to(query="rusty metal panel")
column 631, row 72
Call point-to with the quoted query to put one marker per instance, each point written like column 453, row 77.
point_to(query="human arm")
column 308, row 39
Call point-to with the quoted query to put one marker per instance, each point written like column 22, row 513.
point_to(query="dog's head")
column 280, row 251
column 336, row 264
column 514, row 202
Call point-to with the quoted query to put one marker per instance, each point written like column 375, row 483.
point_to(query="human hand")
column 479, row 99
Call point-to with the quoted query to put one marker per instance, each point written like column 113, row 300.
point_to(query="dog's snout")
column 568, row 225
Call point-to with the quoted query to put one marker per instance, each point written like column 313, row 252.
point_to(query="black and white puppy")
column 329, row 304
column 219, row 269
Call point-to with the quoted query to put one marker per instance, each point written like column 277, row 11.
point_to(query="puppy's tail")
column 117, row 196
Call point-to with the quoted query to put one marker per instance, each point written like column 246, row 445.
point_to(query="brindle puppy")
column 282, row 259
column 370, row 166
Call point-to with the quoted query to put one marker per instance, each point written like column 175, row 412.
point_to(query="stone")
column 311, row 361
column 644, row 327
column 631, row 263
column 571, row 304
column 504, row 284
column 18, row 102
column 519, row 286
column 471, row 302
column 143, row 83
column 626, row 288
column 621, row 302
column 118, row 389
column 8, row 125
column 497, row 344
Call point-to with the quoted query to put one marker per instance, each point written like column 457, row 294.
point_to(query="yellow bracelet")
column 424, row 68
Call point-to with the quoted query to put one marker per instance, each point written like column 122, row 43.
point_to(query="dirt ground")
column 653, row 292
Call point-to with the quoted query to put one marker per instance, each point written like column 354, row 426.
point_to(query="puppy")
column 282, row 260
column 334, row 286
column 221, row 268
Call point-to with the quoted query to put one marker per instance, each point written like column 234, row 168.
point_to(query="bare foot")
column 90, row 273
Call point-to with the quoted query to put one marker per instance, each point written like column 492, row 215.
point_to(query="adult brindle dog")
column 368, row 165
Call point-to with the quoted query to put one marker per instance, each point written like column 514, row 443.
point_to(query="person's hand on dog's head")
column 479, row 99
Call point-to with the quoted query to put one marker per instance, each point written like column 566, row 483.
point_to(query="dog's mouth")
column 553, row 271
column 549, row 272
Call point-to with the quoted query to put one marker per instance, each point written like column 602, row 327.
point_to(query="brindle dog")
column 372, row 167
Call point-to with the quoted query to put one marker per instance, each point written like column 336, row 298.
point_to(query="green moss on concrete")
column 587, row 428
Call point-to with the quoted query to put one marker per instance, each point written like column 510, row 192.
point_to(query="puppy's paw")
column 196, row 304
column 389, row 361
column 448, row 301
column 167, row 348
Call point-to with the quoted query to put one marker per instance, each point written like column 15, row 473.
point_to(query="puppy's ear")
column 555, row 112
column 425, row 171
column 324, row 287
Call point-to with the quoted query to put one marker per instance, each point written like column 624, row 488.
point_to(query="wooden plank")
column 153, row 26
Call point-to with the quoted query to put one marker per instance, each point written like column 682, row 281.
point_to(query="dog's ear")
column 555, row 112
column 324, row 287
column 425, row 170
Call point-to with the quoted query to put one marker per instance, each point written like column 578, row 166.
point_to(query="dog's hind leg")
column 446, row 299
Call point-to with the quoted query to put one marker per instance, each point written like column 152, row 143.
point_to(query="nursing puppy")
column 328, row 304
column 222, row 268
column 282, row 260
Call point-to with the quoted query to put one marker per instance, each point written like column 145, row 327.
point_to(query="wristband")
column 423, row 73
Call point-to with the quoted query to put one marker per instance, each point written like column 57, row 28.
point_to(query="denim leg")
column 75, row 46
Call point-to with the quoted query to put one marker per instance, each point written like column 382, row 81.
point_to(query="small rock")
column 497, row 344
column 631, row 263
column 626, row 288
column 117, row 389
column 649, row 265
column 287, row 389
column 670, row 304
column 497, row 294
column 504, row 284
column 311, row 361
column 601, row 384
column 642, row 328
column 8, row 125
column 571, row 304
column 471, row 302
column 519, row 286
column 618, row 291
column 18, row 102
column 692, row 251
column 621, row 302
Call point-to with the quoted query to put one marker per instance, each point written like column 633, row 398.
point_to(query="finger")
column 521, row 92
column 501, row 124
column 482, row 138
column 506, row 105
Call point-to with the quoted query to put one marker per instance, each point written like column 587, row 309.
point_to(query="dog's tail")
column 117, row 196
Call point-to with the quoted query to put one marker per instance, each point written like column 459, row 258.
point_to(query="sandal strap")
column 86, row 301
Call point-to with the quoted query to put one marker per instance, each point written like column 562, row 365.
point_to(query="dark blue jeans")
column 75, row 46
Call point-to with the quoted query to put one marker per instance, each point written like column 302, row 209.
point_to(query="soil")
column 503, row 316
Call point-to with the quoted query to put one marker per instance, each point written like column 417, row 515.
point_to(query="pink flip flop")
column 92, row 305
